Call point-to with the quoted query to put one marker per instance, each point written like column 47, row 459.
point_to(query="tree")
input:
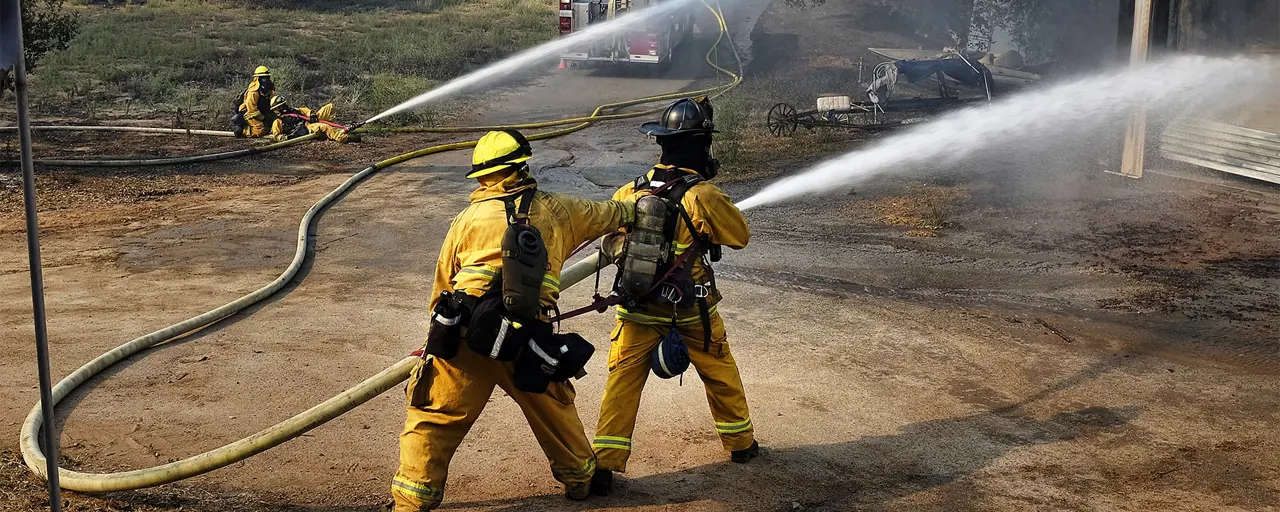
column 1043, row 30
column 46, row 27
column 1047, row 30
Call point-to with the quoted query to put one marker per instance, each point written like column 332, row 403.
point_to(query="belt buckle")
column 701, row 291
column 670, row 293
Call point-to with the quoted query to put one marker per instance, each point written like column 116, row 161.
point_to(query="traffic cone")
column 561, row 63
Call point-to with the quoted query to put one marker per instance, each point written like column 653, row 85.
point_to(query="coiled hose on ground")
column 327, row 410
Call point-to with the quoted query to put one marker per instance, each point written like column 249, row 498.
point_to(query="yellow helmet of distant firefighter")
column 498, row 151
column 262, row 71
column 278, row 102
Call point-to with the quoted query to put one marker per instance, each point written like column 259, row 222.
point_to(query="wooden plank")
column 1135, row 137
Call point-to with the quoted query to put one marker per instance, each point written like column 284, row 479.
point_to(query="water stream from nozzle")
column 1040, row 117
column 514, row 64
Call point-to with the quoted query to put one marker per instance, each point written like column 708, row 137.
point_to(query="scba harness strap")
column 673, row 189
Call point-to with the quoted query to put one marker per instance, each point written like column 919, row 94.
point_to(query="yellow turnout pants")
column 446, row 397
column 629, row 353
column 260, row 128
column 333, row 133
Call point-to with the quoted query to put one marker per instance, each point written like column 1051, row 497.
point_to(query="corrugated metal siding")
column 1224, row 147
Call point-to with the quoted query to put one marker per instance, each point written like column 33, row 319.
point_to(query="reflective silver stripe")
column 662, row 360
column 545, row 357
column 446, row 321
column 502, row 336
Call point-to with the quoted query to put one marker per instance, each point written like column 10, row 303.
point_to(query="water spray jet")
column 515, row 63
column 1040, row 117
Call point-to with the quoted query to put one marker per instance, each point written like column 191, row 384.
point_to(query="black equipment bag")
column 551, row 358
column 445, row 333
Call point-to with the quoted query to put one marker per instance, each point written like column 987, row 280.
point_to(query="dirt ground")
column 985, row 337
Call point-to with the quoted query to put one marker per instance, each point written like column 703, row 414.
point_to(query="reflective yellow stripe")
column 611, row 442
column 484, row 271
column 549, row 281
column 680, row 248
column 619, row 443
column 586, row 470
column 660, row 320
column 416, row 489
column 734, row 428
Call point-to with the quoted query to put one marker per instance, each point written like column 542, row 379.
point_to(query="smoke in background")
column 1038, row 121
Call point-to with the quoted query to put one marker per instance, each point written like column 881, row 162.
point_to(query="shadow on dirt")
column 69, row 404
column 839, row 476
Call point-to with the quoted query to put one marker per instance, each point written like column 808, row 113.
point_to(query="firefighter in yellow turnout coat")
column 296, row 122
column 685, row 136
column 255, row 105
column 445, row 396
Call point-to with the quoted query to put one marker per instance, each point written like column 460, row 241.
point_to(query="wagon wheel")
column 782, row 120
column 840, row 120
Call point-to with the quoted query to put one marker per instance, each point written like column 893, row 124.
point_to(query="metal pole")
column 33, row 257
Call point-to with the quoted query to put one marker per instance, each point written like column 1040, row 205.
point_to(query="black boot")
column 745, row 455
column 601, row 482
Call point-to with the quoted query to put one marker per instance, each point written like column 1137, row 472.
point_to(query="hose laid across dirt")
column 137, row 129
column 302, row 422
column 209, row 157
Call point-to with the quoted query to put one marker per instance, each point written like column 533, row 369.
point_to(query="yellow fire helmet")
column 262, row 71
column 277, row 102
column 497, row 151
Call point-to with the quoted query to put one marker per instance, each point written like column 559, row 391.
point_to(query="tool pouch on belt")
column 492, row 334
column 445, row 333
column 551, row 358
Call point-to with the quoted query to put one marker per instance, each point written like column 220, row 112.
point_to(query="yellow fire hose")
column 315, row 416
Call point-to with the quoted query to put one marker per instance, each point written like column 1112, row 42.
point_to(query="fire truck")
column 651, row 44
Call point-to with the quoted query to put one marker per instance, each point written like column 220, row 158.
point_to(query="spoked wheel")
column 781, row 120
column 840, row 120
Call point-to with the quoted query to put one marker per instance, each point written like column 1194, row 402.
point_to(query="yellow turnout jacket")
column 471, row 257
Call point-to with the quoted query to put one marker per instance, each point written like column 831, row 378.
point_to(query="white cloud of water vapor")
column 1043, row 116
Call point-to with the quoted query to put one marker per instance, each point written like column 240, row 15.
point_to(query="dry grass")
column 925, row 209
column 190, row 58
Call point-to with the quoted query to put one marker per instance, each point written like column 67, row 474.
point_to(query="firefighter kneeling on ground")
column 295, row 122
column 253, row 117
column 496, row 283
column 679, row 304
